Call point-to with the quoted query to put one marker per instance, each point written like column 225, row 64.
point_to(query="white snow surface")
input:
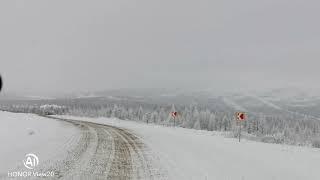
column 184, row 153
column 21, row 134
column 193, row 154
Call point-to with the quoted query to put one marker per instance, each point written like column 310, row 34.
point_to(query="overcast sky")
column 89, row 45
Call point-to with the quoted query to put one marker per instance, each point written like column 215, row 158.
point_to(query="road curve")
column 104, row 152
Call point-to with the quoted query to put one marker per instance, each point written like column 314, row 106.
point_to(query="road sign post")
column 239, row 131
column 174, row 115
column 240, row 116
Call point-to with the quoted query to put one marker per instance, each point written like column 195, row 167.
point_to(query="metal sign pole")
column 239, row 131
column 240, row 116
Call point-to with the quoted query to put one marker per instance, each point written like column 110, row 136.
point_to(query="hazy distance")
column 77, row 45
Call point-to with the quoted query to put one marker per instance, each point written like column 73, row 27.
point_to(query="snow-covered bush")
column 316, row 142
column 51, row 109
column 268, row 139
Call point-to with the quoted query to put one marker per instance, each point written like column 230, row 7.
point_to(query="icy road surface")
column 188, row 154
column 74, row 149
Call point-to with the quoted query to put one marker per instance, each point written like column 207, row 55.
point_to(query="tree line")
column 283, row 129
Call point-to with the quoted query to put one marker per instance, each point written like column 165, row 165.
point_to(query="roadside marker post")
column 240, row 116
column 174, row 115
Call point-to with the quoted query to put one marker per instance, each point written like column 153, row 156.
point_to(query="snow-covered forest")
column 282, row 128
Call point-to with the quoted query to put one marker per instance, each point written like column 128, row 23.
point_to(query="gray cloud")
column 76, row 45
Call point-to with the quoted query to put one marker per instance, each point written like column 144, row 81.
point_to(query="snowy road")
column 105, row 152
column 188, row 154
column 97, row 151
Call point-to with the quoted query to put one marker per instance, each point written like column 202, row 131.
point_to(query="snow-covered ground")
column 193, row 154
column 21, row 134
column 183, row 153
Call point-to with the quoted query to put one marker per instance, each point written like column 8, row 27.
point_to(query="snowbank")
column 21, row 134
